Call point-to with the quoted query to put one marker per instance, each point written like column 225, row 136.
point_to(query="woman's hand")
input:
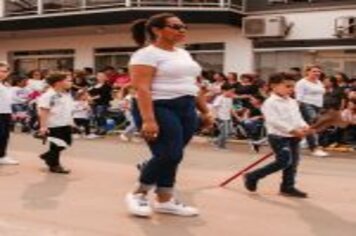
column 150, row 130
column 207, row 121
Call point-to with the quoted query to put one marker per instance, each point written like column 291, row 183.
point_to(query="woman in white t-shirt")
column 164, row 77
column 309, row 92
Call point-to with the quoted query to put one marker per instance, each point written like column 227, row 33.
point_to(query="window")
column 20, row 7
column 57, row 59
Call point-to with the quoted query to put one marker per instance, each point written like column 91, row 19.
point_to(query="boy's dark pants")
column 52, row 156
column 287, row 158
column 5, row 121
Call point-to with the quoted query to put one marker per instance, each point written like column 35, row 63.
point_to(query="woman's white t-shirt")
column 309, row 92
column 176, row 71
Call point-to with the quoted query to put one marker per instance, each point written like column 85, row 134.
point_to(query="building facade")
column 318, row 31
column 75, row 33
column 50, row 34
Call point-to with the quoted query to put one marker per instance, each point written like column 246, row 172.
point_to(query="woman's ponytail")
column 138, row 31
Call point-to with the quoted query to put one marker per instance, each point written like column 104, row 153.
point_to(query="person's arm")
column 299, row 91
column 142, row 78
column 43, row 118
column 205, row 114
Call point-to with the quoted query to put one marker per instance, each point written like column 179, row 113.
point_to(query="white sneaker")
column 124, row 138
column 303, row 144
column 76, row 136
column 175, row 208
column 92, row 136
column 8, row 161
column 319, row 153
column 138, row 205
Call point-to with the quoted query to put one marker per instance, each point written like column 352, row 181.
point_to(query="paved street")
column 89, row 202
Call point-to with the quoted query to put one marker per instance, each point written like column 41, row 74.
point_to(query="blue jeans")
column 225, row 128
column 100, row 113
column 253, row 128
column 287, row 158
column 177, row 121
column 310, row 113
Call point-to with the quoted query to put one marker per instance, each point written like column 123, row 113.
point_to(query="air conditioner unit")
column 266, row 26
column 345, row 27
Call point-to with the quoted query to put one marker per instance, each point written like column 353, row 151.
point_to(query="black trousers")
column 82, row 122
column 5, row 123
column 61, row 134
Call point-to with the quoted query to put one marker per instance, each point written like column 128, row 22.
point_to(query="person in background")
column 342, row 81
column 253, row 118
column 128, row 94
column 89, row 76
column 36, row 82
column 296, row 72
column 20, row 102
column 123, row 79
column 81, row 114
column 111, row 74
column 349, row 115
column 309, row 92
column 79, row 81
column 232, row 79
column 101, row 96
column 5, row 116
column 246, row 89
column 223, row 107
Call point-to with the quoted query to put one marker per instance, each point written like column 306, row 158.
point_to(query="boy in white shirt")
column 285, row 128
column 223, row 106
column 56, row 120
column 5, row 116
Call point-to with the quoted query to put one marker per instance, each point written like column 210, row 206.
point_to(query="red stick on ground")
column 241, row 172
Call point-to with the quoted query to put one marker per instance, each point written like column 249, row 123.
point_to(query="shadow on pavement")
column 43, row 195
column 321, row 221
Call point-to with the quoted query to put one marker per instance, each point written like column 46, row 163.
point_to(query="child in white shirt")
column 82, row 112
column 56, row 120
column 223, row 107
column 285, row 128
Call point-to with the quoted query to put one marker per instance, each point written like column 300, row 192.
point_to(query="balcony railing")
column 18, row 8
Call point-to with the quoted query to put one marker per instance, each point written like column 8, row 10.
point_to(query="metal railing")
column 18, row 8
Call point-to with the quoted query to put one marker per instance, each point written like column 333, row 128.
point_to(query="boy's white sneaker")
column 175, row 207
column 138, row 205
column 124, row 138
column 92, row 136
column 319, row 153
column 8, row 161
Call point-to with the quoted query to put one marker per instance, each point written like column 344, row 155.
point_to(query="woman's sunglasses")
column 177, row 27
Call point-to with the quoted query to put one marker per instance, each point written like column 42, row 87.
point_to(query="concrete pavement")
column 89, row 202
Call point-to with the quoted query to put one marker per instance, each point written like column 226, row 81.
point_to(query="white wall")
column 315, row 25
column 238, row 55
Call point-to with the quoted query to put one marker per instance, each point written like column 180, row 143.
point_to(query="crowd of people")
column 103, row 102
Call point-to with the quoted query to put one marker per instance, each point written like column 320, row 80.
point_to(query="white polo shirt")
column 176, row 71
column 5, row 99
column 282, row 115
column 61, row 108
